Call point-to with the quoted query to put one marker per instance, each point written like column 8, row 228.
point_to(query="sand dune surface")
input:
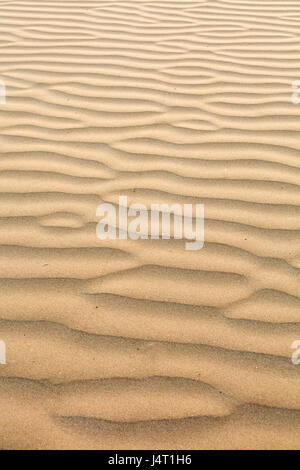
column 142, row 344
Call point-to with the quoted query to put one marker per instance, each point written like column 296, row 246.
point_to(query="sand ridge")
column 139, row 344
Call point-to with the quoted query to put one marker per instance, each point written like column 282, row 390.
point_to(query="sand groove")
column 139, row 343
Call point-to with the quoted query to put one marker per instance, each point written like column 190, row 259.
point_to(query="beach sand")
column 142, row 344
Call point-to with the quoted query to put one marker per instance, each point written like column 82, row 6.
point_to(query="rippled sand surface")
column 123, row 344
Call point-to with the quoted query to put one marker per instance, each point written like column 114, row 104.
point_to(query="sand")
column 141, row 344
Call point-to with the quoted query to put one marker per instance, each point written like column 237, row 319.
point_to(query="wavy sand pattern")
column 142, row 344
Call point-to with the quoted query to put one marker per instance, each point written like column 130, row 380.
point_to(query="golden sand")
column 140, row 344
